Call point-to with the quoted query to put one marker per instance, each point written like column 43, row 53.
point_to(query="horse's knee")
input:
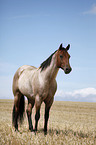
column 29, row 109
column 37, row 106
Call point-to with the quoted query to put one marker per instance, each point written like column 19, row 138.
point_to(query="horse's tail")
column 21, row 111
column 21, row 108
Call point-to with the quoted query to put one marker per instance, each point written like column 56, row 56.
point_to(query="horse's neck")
column 51, row 71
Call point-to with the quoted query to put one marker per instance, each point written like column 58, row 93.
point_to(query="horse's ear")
column 60, row 47
column 67, row 48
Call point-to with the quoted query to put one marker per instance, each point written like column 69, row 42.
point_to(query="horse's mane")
column 47, row 62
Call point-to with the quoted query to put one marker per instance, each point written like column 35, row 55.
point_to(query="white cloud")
column 86, row 94
column 92, row 10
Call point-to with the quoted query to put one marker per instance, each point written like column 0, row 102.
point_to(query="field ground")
column 70, row 123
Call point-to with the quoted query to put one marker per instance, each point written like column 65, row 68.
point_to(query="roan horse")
column 38, row 85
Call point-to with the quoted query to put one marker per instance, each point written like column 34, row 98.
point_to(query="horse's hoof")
column 16, row 130
column 45, row 133
column 35, row 130
column 31, row 129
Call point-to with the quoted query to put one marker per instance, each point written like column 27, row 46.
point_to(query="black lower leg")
column 46, row 119
column 16, row 122
column 15, row 118
column 37, row 116
column 29, row 121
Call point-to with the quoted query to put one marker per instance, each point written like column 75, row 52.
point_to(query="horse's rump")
column 22, row 71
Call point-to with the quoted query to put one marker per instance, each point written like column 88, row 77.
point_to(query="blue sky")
column 30, row 31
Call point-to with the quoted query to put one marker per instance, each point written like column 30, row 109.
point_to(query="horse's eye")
column 61, row 56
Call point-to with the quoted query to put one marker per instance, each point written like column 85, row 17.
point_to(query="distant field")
column 70, row 123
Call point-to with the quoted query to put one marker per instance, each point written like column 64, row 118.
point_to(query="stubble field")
column 70, row 123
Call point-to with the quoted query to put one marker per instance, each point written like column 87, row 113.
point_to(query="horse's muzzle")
column 68, row 70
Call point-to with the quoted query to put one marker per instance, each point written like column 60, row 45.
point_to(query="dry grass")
column 70, row 123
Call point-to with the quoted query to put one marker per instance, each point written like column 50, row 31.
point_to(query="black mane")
column 47, row 62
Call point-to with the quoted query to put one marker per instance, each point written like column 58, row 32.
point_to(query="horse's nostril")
column 67, row 69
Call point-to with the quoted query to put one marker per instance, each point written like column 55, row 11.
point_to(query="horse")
column 38, row 85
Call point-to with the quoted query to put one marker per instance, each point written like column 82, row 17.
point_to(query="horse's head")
column 63, row 59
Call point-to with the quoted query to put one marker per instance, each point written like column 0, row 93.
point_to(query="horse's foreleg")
column 48, row 104
column 37, row 115
column 29, row 112
column 46, row 118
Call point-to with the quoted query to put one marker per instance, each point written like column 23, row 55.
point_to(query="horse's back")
column 18, row 74
column 25, row 67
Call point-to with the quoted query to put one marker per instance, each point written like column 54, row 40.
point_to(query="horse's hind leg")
column 16, row 110
column 29, row 112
